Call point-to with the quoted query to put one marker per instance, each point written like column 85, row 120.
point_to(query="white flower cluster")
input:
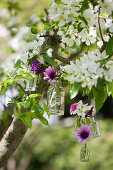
column 108, row 74
column 88, row 69
column 106, row 6
column 82, row 108
column 31, row 49
column 75, row 26
column 67, row 13
column 4, row 33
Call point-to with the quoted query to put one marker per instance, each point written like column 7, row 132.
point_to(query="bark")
column 11, row 140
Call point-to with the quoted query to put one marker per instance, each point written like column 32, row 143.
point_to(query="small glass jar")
column 84, row 153
column 55, row 98
column 31, row 84
column 95, row 129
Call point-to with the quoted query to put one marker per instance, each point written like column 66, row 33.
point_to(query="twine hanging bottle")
column 31, row 84
column 84, row 153
column 55, row 98
column 95, row 129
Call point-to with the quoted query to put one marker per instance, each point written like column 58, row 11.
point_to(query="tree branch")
column 100, row 26
column 76, row 54
column 11, row 140
column 18, row 84
column 60, row 58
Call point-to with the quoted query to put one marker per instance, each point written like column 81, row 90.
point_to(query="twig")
column 46, row 11
column 76, row 54
column 45, row 36
column 59, row 57
column 21, row 87
column 100, row 26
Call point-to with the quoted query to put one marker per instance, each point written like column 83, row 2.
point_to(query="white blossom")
column 87, row 69
column 31, row 49
column 4, row 33
column 90, row 37
column 82, row 108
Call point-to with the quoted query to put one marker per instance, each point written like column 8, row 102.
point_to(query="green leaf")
column 85, row 5
column 109, row 47
column 25, row 104
column 11, row 102
column 100, row 83
column 34, row 30
column 20, row 94
column 103, row 15
column 19, row 107
column 21, row 77
column 88, row 121
column 47, row 59
column 109, row 88
column 100, row 97
column 58, row 2
column 18, row 63
column 75, row 89
column 43, row 21
column 10, row 81
column 78, row 122
column 1, row 73
column 27, row 74
column 47, row 25
column 64, row 75
column 43, row 120
column 26, row 119
column 38, row 110
column 103, row 62
column 16, row 113
column 34, row 95
column 83, row 19
column 94, row 2
column 91, row 94
column 46, row 109
column 3, row 87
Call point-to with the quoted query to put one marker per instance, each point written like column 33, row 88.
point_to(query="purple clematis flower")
column 37, row 66
column 73, row 108
column 89, row 113
column 50, row 74
column 83, row 133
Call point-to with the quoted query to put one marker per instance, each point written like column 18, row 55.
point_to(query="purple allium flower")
column 89, row 113
column 73, row 108
column 83, row 133
column 50, row 74
column 37, row 66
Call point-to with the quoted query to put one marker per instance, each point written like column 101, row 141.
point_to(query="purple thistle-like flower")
column 37, row 66
column 89, row 113
column 83, row 133
column 73, row 108
column 50, row 74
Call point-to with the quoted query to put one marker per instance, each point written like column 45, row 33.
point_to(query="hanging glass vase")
column 95, row 129
column 31, row 84
column 55, row 98
column 84, row 153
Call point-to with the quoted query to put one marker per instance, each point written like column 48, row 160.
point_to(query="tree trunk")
column 11, row 140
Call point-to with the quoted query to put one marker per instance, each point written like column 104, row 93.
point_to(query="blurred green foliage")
column 56, row 149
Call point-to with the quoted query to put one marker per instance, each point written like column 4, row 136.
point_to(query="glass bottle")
column 31, row 84
column 84, row 153
column 55, row 98
column 95, row 129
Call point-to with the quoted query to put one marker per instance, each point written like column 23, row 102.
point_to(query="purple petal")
column 89, row 113
column 50, row 74
column 83, row 133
